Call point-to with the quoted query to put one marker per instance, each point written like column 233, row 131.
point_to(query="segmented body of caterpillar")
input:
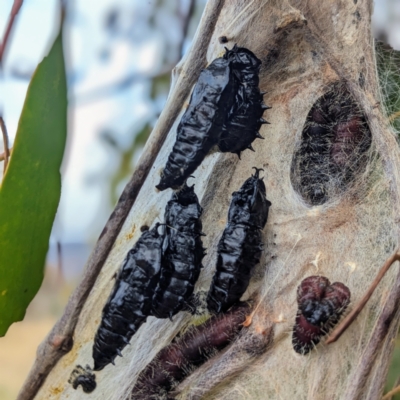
column 244, row 119
column 201, row 123
column 321, row 305
column 130, row 301
column 176, row 361
column 225, row 109
column 183, row 252
column 240, row 247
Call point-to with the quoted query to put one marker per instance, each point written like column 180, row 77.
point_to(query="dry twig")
column 14, row 11
column 389, row 395
column 394, row 116
column 338, row 331
column 5, row 143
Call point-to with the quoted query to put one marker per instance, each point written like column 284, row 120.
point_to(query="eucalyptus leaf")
column 31, row 188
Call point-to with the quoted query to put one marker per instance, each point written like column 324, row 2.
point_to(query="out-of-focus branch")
column 129, row 80
column 14, row 11
column 389, row 395
column 185, row 20
column 6, row 144
column 394, row 116
column 115, row 87
column 3, row 155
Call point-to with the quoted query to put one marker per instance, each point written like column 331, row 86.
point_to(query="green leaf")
column 31, row 188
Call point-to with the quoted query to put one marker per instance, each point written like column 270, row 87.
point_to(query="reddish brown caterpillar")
column 176, row 361
column 321, row 305
column 333, row 147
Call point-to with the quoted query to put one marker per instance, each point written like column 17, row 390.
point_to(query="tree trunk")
column 305, row 47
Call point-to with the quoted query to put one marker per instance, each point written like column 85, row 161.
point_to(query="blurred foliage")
column 31, row 189
column 388, row 61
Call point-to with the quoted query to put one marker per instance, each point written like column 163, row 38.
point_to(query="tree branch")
column 59, row 341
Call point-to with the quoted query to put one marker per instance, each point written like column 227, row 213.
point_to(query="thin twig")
column 14, row 11
column 60, row 339
column 59, row 261
column 389, row 395
column 394, row 116
column 117, row 86
column 127, row 81
column 394, row 391
column 6, row 144
column 185, row 19
column 338, row 331
column 3, row 155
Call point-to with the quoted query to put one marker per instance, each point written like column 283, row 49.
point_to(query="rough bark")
column 305, row 46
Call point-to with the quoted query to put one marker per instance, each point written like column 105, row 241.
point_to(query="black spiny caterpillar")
column 240, row 247
column 321, row 305
column 188, row 352
column 183, row 252
column 245, row 116
column 130, row 301
column 225, row 109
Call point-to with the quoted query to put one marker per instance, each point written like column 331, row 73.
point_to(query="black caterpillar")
column 321, row 305
column 225, row 109
column 240, row 247
column 182, row 256
column 334, row 143
column 177, row 360
column 131, row 299
column 245, row 116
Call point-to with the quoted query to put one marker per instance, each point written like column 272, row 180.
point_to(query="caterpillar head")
column 242, row 58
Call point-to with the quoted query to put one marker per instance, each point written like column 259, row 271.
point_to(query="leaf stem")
column 6, row 144
column 14, row 11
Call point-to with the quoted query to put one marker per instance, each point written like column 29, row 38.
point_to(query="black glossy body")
column 321, row 305
column 225, row 109
column 183, row 252
column 240, row 247
column 130, row 301
column 87, row 382
column 245, row 116
column 201, row 123
column 83, row 377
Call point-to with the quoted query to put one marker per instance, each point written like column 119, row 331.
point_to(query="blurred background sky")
column 119, row 57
